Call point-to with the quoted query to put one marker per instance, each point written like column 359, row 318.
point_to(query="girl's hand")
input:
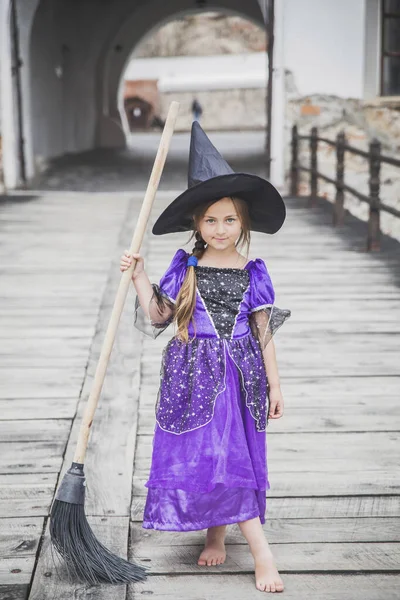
column 126, row 261
column 275, row 403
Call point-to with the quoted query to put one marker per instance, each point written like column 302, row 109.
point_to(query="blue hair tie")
column 192, row 261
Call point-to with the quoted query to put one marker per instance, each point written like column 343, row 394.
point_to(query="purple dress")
column 209, row 458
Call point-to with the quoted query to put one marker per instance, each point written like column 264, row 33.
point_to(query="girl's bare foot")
column 214, row 550
column 267, row 575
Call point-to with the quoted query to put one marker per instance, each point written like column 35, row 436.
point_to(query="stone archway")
column 140, row 25
column 73, row 56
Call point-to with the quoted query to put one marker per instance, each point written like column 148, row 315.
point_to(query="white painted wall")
column 277, row 170
column 8, row 117
column 324, row 46
column 372, row 49
column 25, row 16
column 195, row 73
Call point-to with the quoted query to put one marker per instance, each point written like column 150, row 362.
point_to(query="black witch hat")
column 211, row 178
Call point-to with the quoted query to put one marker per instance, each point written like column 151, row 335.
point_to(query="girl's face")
column 220, row 226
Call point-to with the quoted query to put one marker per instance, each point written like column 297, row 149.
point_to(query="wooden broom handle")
column 123, row 288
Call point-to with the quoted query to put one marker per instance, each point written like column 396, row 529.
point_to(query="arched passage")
column 77, row 54
column 139, row 26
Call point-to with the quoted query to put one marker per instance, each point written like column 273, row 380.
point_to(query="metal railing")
column 375, row 159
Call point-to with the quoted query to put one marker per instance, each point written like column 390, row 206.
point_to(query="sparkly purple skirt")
column 214, row 475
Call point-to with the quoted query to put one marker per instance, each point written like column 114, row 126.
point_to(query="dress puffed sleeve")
column 161, row 309
column 265, row 317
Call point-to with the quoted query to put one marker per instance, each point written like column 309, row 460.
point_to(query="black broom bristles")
column 84, row 556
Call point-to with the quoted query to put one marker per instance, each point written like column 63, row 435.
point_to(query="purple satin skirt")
column 214, row 475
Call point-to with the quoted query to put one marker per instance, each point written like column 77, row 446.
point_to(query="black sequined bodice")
column 222, row 291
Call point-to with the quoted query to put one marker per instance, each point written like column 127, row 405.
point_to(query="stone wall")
column 242, row 109
column 361, row 123
column 203, row 35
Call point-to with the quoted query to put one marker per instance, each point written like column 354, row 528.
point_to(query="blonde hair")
column 186, row 299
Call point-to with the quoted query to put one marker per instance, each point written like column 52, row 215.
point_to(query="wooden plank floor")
column 59, row 257
column 333, row 510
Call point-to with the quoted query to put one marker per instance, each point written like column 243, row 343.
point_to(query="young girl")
column 209, row 461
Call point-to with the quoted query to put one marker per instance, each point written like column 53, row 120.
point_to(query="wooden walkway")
column 333, row 510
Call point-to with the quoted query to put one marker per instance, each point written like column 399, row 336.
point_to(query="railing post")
column 314, row 166
column 373, row 242
column 294, row 168
column 338, row 211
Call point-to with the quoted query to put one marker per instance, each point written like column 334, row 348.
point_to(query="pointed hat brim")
column 267, row 210
column 211, row 178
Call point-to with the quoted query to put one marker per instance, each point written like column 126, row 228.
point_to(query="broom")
column 86, row 558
